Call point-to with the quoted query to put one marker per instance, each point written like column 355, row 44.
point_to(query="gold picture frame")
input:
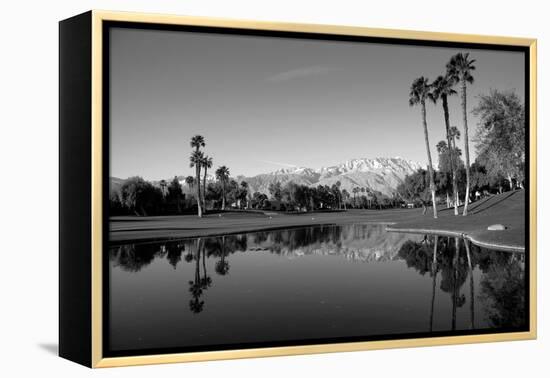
column 95, row 20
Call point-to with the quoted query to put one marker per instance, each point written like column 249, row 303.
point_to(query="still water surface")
column 318, row 282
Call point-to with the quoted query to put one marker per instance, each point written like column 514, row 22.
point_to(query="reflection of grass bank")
column 507, row 209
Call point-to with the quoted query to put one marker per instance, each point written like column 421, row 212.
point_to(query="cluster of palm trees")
column 458, row 73
column 200, row 161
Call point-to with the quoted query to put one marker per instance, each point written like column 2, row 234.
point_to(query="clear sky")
column 263, row 103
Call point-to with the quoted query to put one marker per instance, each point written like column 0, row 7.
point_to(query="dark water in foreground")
column 318, row 282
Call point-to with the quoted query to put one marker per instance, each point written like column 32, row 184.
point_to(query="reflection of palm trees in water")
column 502, row 287
column 445, row 258
column 206, row 281
column 196, row 287
column 457, row 299
column 471, row 270
column 434, row 279
column 501, row 292
column 222, row 266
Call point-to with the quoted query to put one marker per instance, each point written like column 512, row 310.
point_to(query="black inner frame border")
column 107, row 25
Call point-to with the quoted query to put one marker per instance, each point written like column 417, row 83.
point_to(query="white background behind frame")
column 29, row 156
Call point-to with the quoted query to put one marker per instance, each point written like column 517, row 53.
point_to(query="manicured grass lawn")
column 507, row 209
column 129, row 228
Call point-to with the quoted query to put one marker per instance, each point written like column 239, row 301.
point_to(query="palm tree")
column 339, row 194
column 197, row 142
column 206, row 164
column 455, row 135
column 190, row 180
column 460, row 69
column 163, row 187
column 420, row 90
column 345, row 197
column 244, row 193
column 222, row 174
column 195, row 160
column 442, row 87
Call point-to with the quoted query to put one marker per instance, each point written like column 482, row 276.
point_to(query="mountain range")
column 378, row 174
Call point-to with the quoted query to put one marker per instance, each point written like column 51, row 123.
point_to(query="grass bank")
column 507, row 209
column 132, row 228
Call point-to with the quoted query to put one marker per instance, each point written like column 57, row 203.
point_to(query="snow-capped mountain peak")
column 378, row 174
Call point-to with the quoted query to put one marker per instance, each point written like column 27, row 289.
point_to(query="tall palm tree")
column 442, row 87
column 460, row 69
column 455, row 135
column 420, row 90
column 222, row 174
column 197, row 141
column 206, row 164
column 195, row 160
column 441, row 148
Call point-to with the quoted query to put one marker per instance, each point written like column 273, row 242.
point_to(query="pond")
column 307, row 285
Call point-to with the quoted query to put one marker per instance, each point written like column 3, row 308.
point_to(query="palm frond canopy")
column 222, row 173
column 460, row 67
column 197, row 141
column 420, row 90
column 454, row 132
column 207, row 161
column 196, row 158
column 442, row 86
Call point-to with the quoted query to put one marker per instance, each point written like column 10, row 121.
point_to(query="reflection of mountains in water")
column 357, row 242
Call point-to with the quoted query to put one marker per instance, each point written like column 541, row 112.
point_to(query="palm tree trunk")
column 204, row 189
column 198, row 174
column 223, row 195
column 430, row 165
column 450, row 149
column 466, row 148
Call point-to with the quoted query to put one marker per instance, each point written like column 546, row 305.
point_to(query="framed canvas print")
column 235, row 189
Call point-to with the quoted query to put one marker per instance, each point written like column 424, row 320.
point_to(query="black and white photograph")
column 274, row 190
